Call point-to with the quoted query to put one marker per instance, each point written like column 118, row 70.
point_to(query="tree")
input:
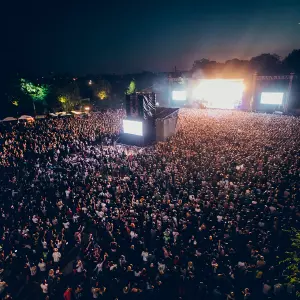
column 131, row 88
column 15, row 102
column 201, row 64
column 292, row 261
column 102, row 95
column 206, row 67
column 266, row 63
column 14, row 98
column 69, row 96
column 236, row 67
column 36, row 92
column 101, row 90
column 292, row 61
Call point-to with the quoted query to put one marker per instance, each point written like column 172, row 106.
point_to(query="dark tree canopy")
column 266, row 63
column 263, row 64
column 292, row 61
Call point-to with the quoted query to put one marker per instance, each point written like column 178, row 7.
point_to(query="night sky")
column 84, row 37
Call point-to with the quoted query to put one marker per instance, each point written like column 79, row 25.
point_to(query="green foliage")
column 292, row 260
column 131, row 88
column 15, row 102
column 68, row 97
column 66, row 103
column 101, row 89
column 36, row 92
column 102, row 95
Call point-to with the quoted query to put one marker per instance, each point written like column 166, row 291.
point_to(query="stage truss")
column 273, row 78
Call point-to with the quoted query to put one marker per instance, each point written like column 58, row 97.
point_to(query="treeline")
column 28, row 94
column 264, row 64
column 59, row 93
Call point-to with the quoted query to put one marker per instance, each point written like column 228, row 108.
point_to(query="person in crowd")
column 56, row 256
column 44, row 287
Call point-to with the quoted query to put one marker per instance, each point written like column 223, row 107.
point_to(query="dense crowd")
column 202, row 216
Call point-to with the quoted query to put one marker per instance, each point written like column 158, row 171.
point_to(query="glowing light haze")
column 219, row 93
column 179, row 95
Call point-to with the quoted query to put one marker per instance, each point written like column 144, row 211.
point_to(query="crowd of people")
column 201, row 216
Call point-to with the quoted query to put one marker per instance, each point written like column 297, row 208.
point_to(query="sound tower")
column 140, row 107
column 140, row 101
column 132, row 107
column 127, row 105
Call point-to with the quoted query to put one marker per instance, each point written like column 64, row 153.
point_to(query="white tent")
column 9, row 119
column 52, row 115
column 26, row 118
column 63, row 114
column 40, row 117
column 76, row 112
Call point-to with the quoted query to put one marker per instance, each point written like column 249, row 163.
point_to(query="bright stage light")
column 220, row 93
column 271, row 98
column 133, row 127
column 179, row 95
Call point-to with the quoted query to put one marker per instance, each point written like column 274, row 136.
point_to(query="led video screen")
column 179, row 95
column 271, row 98
column 133, row 127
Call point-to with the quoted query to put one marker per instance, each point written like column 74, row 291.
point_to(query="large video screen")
column 179, row 95
column 133, row 127
column 271, row 98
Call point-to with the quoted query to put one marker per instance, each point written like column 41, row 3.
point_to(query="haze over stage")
column 179, row 95
column 219, row 93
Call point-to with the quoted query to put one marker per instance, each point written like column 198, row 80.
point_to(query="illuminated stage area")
column 219, row 93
